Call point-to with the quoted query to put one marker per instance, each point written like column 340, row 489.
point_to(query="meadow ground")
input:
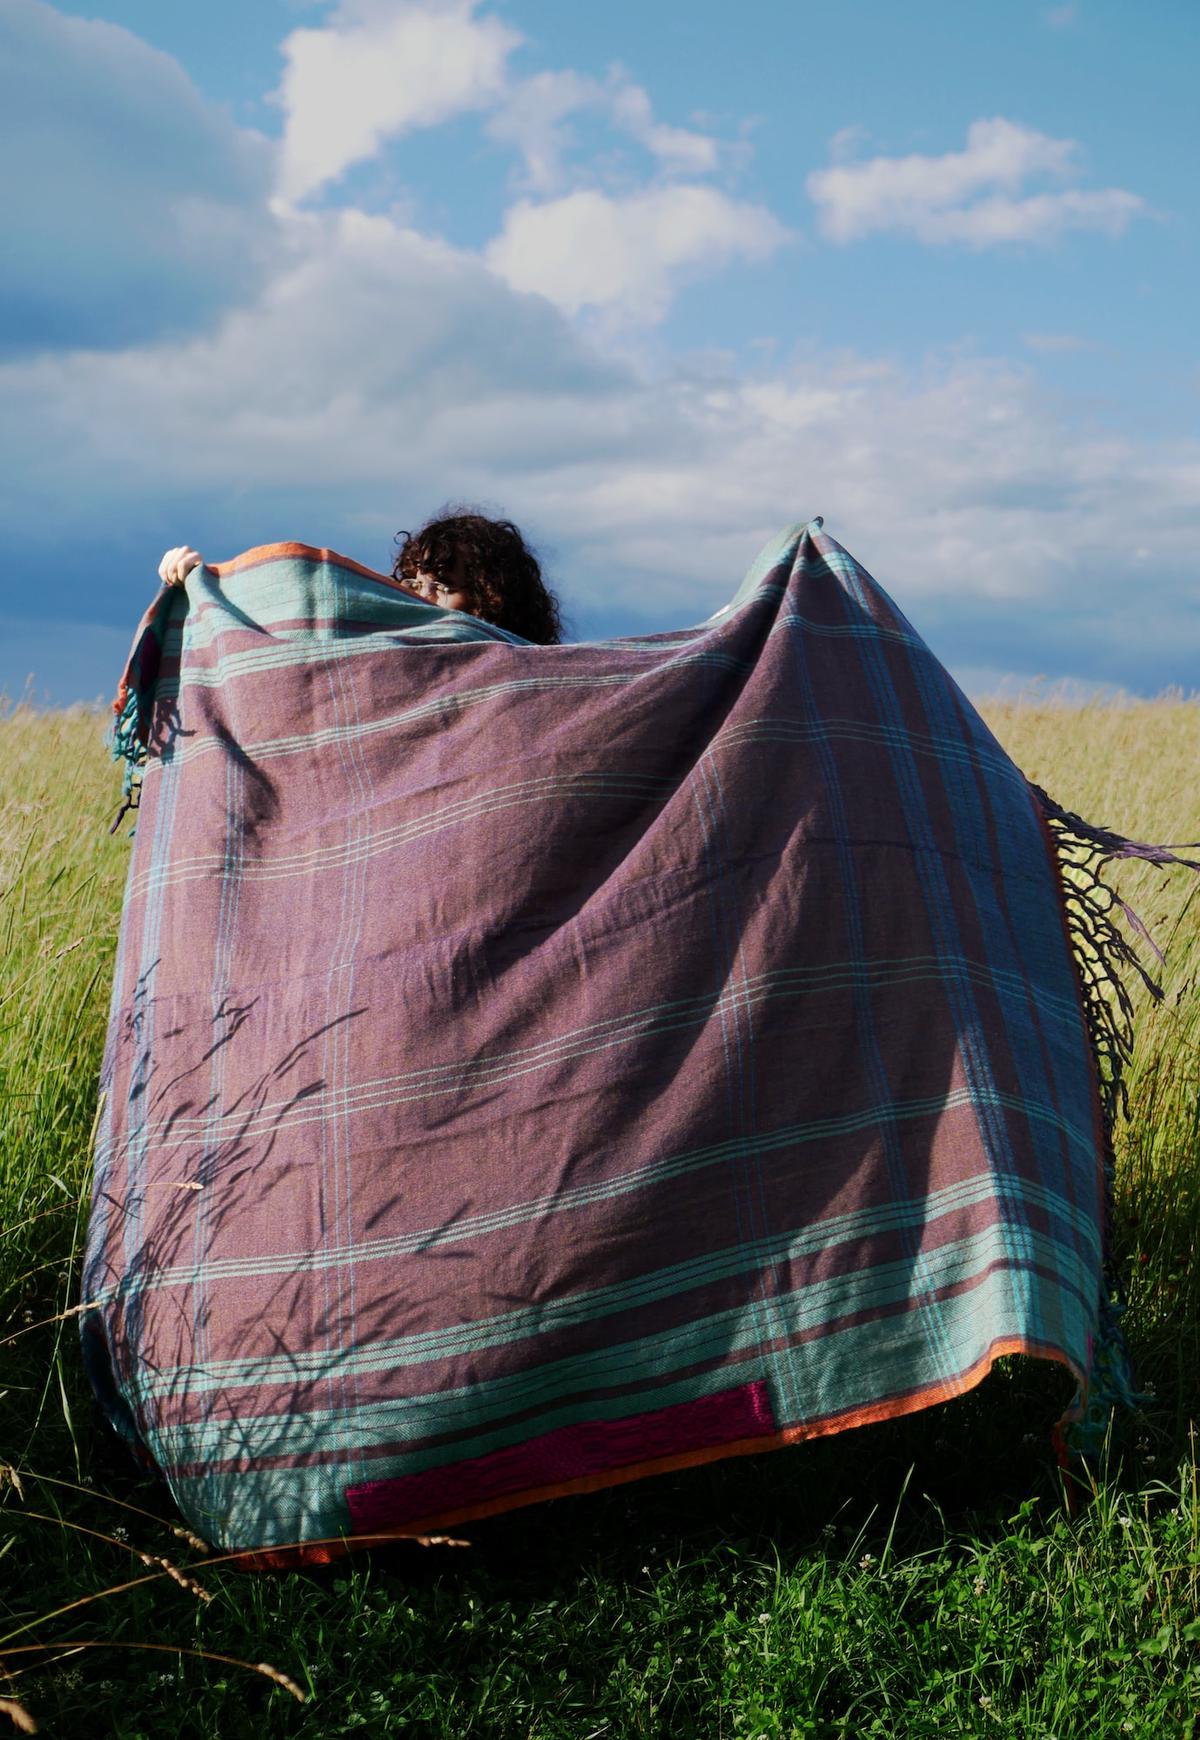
column 921, row 1578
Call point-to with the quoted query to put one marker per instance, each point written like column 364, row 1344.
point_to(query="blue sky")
column 654, row 280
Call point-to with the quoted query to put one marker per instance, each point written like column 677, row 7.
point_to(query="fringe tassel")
column 125, row 742
column 130, row 732
column 1103, row 953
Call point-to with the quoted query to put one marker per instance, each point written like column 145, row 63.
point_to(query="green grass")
column 920, row 1578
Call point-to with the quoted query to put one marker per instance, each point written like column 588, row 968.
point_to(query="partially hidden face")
column 449, row 592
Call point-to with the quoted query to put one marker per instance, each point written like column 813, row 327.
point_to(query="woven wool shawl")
column 534, row 1067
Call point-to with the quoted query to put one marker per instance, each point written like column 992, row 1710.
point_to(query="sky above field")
column 654, row 280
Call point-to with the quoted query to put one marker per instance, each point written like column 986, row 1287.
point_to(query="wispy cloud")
column 978, row 196
column 1056, row 343
column 536, row 118
column 675, row 148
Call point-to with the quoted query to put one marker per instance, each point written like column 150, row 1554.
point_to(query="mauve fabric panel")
column 516, row 1049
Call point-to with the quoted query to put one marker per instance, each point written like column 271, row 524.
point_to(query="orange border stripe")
column 293, row 1557
column 306, row 552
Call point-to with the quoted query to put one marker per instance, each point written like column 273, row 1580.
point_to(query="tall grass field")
column 927, row 1577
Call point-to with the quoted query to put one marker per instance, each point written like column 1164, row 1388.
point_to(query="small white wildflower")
column 985, row 1703
column 764, row 1619
column 120, row 1534
column 828, row 1532
column 867, row 1560
column 1126, row 1522
column 979, row 1585
column 678, row 1661
column 645, row 1570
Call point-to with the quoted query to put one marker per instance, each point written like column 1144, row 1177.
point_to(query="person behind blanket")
column 461, row 561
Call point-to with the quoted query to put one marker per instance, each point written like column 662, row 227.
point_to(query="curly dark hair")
column 491, row 561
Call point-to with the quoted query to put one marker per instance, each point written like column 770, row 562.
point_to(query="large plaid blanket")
column 531, row 1068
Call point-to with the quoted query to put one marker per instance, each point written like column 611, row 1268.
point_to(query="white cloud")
column 378, row 69
column 377, row 364
column 625, row 254
column 976, row 196
column 132, row 207
column 1036, row 218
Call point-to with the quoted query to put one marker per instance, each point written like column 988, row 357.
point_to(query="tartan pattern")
column 512, row 1044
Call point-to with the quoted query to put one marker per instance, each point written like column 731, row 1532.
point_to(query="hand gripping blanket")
column 531, row 1068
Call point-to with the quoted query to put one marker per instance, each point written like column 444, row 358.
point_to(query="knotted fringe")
column 127, row 746
column 132, row 708
column 1103, row 954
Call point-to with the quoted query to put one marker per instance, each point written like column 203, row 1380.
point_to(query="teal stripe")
column 485, row 1070
column 273, row 594
column 850, row 1368
column 459, row 701
column 474, row 1074
column 891, row 1161
column 343, row 854
column 284, row 654
column 858, row 1223
column 830, row 1383
column 930, row 860
column 820, row 1300
column 442, row 704
column 874, row 631
column 946, row 748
